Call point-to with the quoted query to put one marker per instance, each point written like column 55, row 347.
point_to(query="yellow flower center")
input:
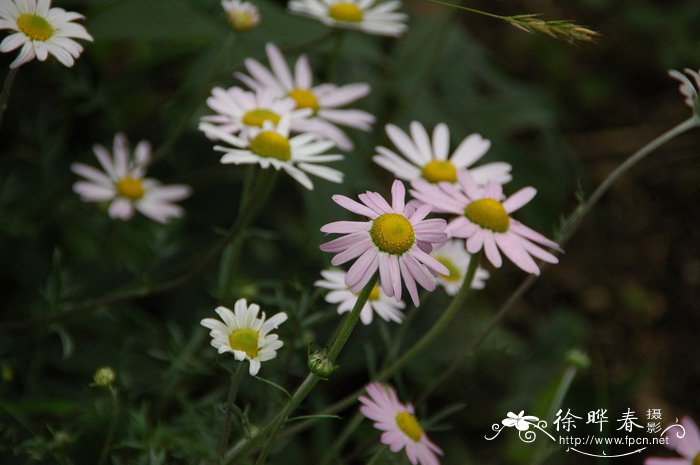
column 258, row 116
column 346, row 11
column 242, row 21
column 696, row 460
column 392, row 233
column 304, row 98
column 439, row 170
column 489, row 214
column 374, row 295
column 131, row 188
column 34, row 26
column 454, row 275
column 245, row 340
column 408, row 424
column 272, row 145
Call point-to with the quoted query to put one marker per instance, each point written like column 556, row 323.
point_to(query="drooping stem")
column 230, row 401
column 6, row 87
column 109, row 438
column 305, row 388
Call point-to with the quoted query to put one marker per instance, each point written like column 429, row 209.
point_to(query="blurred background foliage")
column 626, row 292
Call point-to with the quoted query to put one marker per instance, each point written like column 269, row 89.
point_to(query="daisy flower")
column 388, row 308
column 396, row 240
column 687, row 445
column 401, row 429
column 244, row 334
column 382, row 19
column 484, row 220
column 454, row 256
column 426, row 159
column 272, row 146
column 124, row 186
column 41, row 30
column 323, row 99
column 240, row 111
column 688, row 88
column 243, row 16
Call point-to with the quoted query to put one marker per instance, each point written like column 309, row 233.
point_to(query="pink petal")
column 354, row 207
column 410, row 282
column 516, row 253
column 345, row 227
column 398, row 196
column 361, row 271
column 520, row 198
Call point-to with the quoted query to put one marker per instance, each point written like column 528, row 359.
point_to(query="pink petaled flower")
column 484, row 220
column 400, row 426
column 686, row 443
column 396, row 240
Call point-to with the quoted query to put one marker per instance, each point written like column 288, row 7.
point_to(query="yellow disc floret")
column 489, row 214
column 245, row 340
column 454, row 275
column 346, row 11
column 374, row 295
column 438, row 171
column 304, row 99
column 696, row 460
column 392, row 233
column 130, row 188
column 258, row 116
column 271, row 144
column 34, row 26
column 408, row 424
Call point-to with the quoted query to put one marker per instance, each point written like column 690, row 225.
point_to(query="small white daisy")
column 124, row 186
column 380, row 303
column 272, row 146
column 239, row 111
column 41, row 30
column 324, row 99
column 382, row 19
column 454, row 256
column 245, row 335
column 243, row 16
column 423, row 159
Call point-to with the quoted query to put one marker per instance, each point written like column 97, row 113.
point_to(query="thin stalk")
column 335, row 58
column 573, row 224
column 230, row 401
column 378, row 456
column 305, row 388
column 6, row 87
column 107, row 446
column 340, row 441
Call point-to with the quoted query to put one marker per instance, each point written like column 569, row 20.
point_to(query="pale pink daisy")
column 687, row 88
column 324, row 100
column 484, row 220
column 396, row 241
column 41, row 31
column 239, row 111
column 365, row 15
column 401, row 429
column 124, row 186
column 686, row 443
column 423, row 158
column 388, row 308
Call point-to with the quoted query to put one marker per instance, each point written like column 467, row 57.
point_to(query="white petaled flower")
column 688, row 88
column 272, row 146
column 388, row 308
column 123, row 183
column 240, row 111
column 381, row 19
column 426, row 159
column 323, row 100
column 243, row 16
column 520, row 421
column 41, row 30
column 454, row 256
column 244, row 334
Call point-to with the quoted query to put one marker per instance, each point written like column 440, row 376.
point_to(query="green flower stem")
column 107, row 446
column 335, row 58
column 378, row 456
column 305, row 388
column 230, row 401
column 572, row 226
column 6, row 87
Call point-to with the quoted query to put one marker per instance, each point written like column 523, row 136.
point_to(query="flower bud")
column 320, row 365
column 104, row 376
column 242, row 16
